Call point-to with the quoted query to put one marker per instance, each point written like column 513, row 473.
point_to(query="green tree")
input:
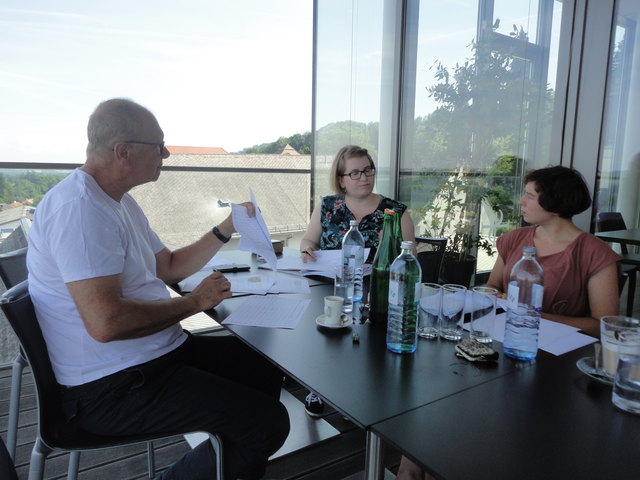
column 299, row 141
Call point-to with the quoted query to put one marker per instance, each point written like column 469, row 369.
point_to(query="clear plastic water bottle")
column 524, row 307
column 352, row 264
column 404, row 298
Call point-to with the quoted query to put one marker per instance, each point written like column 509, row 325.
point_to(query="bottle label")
column 536, row 296
column 512, row 296
column 394, row 292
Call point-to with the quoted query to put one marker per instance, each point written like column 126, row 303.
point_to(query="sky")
column 216, row 73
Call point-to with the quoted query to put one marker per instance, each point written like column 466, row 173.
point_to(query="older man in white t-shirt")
column 98, row 276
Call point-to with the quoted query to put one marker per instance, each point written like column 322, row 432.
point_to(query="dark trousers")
column 214, row 384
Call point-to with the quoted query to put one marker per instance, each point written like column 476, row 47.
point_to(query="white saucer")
column 345, row 322
column 585, row 365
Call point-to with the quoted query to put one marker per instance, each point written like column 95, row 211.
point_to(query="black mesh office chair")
column 630, row 264
column 430, row 252
column 13, row 270
column 53, row 433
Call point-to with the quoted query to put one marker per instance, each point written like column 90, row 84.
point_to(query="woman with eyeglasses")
column 353, row 175
column 352, row 178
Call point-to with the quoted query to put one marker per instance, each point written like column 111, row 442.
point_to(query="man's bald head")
column 113, row 121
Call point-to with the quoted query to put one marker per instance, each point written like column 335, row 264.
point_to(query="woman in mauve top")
column 580, row 271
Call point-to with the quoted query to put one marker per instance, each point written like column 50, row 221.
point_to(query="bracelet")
column 216, row 231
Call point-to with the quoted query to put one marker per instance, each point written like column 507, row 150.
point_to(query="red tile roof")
column 196, row 150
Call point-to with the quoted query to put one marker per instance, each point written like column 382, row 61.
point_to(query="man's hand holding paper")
column 254, row 233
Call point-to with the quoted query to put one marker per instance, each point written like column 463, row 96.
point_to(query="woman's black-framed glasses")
column 357, row 174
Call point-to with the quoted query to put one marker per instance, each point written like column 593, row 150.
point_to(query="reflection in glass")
column 619, row 163
column 484, row 105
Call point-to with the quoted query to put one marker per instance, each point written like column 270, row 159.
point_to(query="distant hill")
column 301, row 142
column 332, row 137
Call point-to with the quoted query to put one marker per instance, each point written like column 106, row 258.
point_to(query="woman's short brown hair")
column 338, row 166
column 560, row 190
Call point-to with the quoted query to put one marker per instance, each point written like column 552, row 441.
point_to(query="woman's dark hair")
column 560, row 190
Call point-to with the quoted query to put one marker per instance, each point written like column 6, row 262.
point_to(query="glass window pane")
column 484, row 107
column 519, row 13
column 619, row 163
column 216, row 73
column 231, row 75
column 349, row 84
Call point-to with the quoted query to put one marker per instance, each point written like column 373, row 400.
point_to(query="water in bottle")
column 352, row 266
column 388, row 250
column 404, row 297
column 524, row 307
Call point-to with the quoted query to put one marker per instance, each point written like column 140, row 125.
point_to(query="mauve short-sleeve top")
column 566, row 274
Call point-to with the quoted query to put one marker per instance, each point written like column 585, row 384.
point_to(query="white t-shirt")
column 79, row 232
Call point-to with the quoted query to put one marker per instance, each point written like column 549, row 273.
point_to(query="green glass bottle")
column 388, row 250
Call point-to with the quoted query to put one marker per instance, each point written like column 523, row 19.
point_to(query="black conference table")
column 457, row 419
column 549, row 421
column 363, row 380
column 629, row 236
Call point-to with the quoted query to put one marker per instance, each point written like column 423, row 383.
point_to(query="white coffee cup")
column 333, row 309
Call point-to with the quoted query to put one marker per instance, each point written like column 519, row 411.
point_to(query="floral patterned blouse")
column 335, row 217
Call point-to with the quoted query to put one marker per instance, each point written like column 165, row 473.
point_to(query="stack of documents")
column 325, row 264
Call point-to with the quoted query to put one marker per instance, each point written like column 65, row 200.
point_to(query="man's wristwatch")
column 216, row 231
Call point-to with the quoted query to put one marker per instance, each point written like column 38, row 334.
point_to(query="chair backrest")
column 18, row 308
column 430, row 252
column 13, row 267
column 7, row 469
column 608, row 221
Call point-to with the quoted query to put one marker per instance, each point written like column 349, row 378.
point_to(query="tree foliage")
column 485, row 107
column 27, row 185
column 300, row 141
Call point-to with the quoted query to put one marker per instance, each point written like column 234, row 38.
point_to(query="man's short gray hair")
column 114, row 121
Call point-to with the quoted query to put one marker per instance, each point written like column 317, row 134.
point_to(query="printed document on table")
column 290, row 285
column 255, row 284
column 270, row 311
column 191, row 282
column 327, row 261
column 254, row 235
column 555, row 338
column 215, row 261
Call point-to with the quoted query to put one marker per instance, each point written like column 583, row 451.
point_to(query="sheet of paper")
column 555, row 338
column 324, row 266
column 569, row 342
column 290, row 285
column 189, row 283
column 256, row 284
column 254, row 235
column 270, row 311
column 215, row 261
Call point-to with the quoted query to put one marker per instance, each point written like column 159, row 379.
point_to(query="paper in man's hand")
column 255, row 236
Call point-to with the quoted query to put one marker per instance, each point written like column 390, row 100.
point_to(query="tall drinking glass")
column 483, row 314
column 453, row 299
column 611, row 328
column 430, row 307
column 626, row 385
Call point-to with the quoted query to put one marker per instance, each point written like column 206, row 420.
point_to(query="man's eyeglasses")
column 357, row 174
column 159, row 146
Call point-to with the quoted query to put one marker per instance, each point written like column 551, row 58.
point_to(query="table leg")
column 373, row 469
